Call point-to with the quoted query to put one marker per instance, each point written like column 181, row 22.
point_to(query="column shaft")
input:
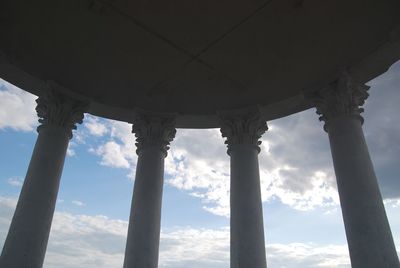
column 367, row 228
column 247, row 229
column 153, row 132
column 30, row 227
column 26, row 242
column 144, row 223
column 243, row 129
column 368, row 232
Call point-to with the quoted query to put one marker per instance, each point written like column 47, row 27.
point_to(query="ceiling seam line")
column 148, row 29
column 233, row 28
column 192, row 57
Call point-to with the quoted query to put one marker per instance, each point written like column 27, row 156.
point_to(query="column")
column 26, row 242
column 243, row 130
column 368, row 232
column 153, row 135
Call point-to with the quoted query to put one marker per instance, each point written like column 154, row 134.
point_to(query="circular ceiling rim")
column 365, row 70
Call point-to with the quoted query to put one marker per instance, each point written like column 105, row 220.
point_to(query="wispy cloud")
column 17, row 108
column 78, row 203
column 94, row 126
column 17, row 182
column 118, row 150
column 83, row 241
column 70, row 149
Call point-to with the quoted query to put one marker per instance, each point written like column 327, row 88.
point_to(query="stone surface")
column 154, row 133
column 244, row 126
column 343, row 98
column 55, row 109
column 153, row 130
column 367, row 228
column 243, row 130
column 26, row 242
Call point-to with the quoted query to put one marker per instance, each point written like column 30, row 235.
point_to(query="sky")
column 302, row 216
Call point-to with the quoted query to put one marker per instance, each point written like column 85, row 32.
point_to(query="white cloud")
column 189, row 247
column 112, row 155
column 17, row 182
column 78, row 203
column 70, row 150
column 17, row 108
column 198, row 163
column 295, row 161
column 7, row 204
column 79, row 241
column 310, row 255
column 83, row 241
column 94, row 126
column 119, row 151
column 293, row 170
column 394, row 203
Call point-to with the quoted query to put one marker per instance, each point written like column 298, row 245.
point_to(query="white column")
column 153, row 135
column 243, row 130
column 26, row 242
column 368, row 232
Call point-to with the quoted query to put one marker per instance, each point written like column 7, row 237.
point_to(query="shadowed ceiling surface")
column 194, row 57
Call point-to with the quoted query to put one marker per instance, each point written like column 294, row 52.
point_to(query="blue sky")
column 302, row 217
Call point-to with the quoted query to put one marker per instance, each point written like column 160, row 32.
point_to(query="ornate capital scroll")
column 56, row 109
column 344, row 97
column 153, row 130
column 242, row 127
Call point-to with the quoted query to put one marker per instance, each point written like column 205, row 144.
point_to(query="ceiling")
column 194, row 57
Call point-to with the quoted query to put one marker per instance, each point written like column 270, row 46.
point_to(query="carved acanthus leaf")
column 243, row 127
column 56, row 109
column 344, row 97
column 153, row 130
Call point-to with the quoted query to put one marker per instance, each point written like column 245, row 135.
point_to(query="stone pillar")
column 26, row 242
column 243, row 130
column 368, row 232
column 153, row 135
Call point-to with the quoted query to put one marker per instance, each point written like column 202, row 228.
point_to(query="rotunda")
column 233, row 65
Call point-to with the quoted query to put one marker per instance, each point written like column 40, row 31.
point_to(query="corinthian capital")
column 343, row 98
column 153, row 130
column 56, row 109
column 242, row 127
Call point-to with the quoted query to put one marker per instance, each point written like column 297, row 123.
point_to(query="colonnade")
column 367, row 229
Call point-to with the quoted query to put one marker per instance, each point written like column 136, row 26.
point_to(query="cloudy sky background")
column 302, row 216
